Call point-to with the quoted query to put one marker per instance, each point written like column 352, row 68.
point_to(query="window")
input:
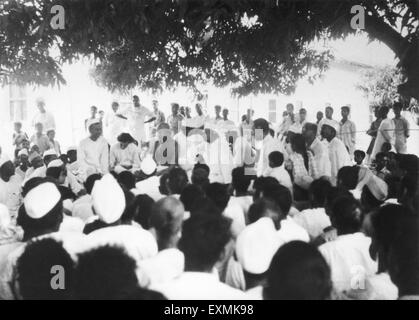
column 17, row 103
column 272, row 111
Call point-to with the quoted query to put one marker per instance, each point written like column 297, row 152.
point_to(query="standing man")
column 265, row 144
column 338, row 155
column 175, row 118
column 114, row 124
column 43, row 116
column 297, row 126
column 385, row 132
column 319, row 117
column 159, row 115
column 136, row 120
column 329, row 119
column 347, row 131
column 373, row 130
column 93, row 152
column 319, row 150
column 401, row 129
column 93, row 113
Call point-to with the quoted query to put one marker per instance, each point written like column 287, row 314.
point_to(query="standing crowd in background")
column 200, row 207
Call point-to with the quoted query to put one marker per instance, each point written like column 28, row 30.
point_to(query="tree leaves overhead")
column 255, row 46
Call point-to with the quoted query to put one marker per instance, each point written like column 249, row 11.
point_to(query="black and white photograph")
column 209, row 150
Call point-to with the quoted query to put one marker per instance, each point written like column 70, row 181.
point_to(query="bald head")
column 166, row 219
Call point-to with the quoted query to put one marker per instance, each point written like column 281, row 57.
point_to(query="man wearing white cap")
column 43, row 116
column 149, row 185
column 338, row 154
column 108, row 203
column 328, row 119
column 37, row 169
column 10, row 186
column 255, row 247
column 23, row 163
column 93, row 152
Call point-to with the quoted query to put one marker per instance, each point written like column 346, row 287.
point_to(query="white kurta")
column 281, row 175
column 349, row 259
column 136, row 118
column 124, row 157
column 10, row 194
column 199, row 286
column 314, row 221
column 321, row 158
column 46, row 118
column 269, row 144
column 220, row 161
column 385, row 134
column 114, row 126
column 93, row 156
column 339, row 157
column 242, row 152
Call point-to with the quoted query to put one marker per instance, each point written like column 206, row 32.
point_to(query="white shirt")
column 219, row 159
column 314, row 221
column 269, row 144
column 291, row 231
column 46, row 118
column 82, row 207
column 136, row 117
column 339, row 157
column 349, row 259
column 71, row 224
column 281, row 175
column 93, row 156
column 385, row 133
column 150, row 187
column 199, row 286
column 114, row 126
column 235, row 212
column 321, row 158
column 10, row 194
column 128, row 156
column 242, row 152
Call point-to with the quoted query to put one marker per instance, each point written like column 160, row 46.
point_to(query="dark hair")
column 403, row 258
column 318, row 190
column 164, row 221
column 298, row 271
column 191, row 196
column 202, row 166
column 345, row 108
column 311, row 126
column 127, row 179
column 55, row 172
column 277, row 158
column 348, row 177
column 177, row 180
column 281, row 196
column 360, row 153
column 128, row 215
column 387, row 223
column 163, row 184
column 368, row 201
column 298, row 144
column 141, row 208
column 90, row 182
column 217, row 192
column 105, row 273
column 263, row 183
column 262, row 124
column 203, row 240
column 240, row 180
column 125, row 138
column 35, row 273
column 200, row 177
column 346, row 215
column 259, row 208
column 383, row 111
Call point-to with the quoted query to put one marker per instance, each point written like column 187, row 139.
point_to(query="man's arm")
column 150, row 120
